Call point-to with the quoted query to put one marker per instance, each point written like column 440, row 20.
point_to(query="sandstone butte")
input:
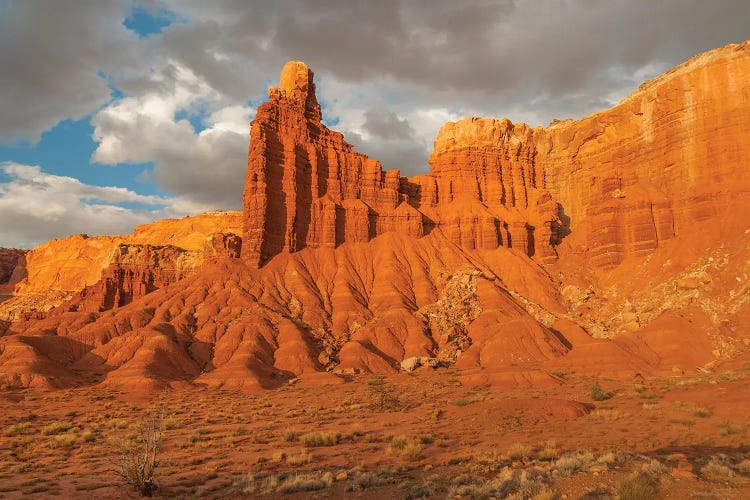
column 616, row 244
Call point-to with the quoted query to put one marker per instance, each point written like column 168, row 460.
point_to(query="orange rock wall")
column 307, row 187
column 673, row 153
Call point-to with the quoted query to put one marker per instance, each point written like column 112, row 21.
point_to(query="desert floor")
column 426, row 434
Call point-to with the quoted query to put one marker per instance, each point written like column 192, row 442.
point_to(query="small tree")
column 136, row 463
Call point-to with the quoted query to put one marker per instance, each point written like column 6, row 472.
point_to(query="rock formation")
column 518, row 245
column 118, row 266
column 307, row 187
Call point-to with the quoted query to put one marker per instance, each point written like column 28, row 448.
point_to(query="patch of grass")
column 89, row 436
column 16, row 429
column 608, row 414
column 241, row 431
column 548, row 451
column 648, row 395
column 118, row 423
column 290, row 435
column 56, row 428
column 729, row 429
column 301, row 458
column 716, row 467
column 599, row 394
column 518, row 451
column 639, row 487
column 702, row 413
column 462, row 402
column 682, row 421
column 407, row 448
column 315, row 439
column 570, row 463
column 63, row 441
column 310, row 481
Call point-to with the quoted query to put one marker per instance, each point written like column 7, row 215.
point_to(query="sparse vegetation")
column 315, row 439
column 137, row 458
column 57, row 428
column 407, row 448
column 640, row 487
column 599, row 394
column 16, row 429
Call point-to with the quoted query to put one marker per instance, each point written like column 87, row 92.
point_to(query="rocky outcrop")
column 307, row 187
column 9, row 260
column 117, row 269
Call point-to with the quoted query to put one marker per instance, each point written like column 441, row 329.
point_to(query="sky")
column 115, row 113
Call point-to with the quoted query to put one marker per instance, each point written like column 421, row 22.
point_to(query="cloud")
column 36, row 206
column 52, row 62
column 206, row 167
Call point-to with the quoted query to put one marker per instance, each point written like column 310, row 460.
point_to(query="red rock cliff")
column 307, row 187
column 672, row 154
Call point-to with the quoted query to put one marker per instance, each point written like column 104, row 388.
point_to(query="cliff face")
column 670, row 155
column 620, row 181
column 307, row 187
column 120, row 268
column 9, row 260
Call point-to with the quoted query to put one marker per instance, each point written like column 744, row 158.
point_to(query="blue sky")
column 121, row 112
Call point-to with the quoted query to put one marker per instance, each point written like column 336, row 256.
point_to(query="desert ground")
column 422, row 435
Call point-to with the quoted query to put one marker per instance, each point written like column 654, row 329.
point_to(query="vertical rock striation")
column 307, row 187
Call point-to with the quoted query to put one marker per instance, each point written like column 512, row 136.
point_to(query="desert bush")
column 571, row 463
column 599, row 394
column 290, row 435
column 136, row 461
column 640, row 487
column 315, row 439
column 15, row 429
column 56, row 428
column 519, row 483
column 406, row 448
column 548, row 451
column 64, row 441
column 309, row 481
column 381, row 396
column 301, row 458
column 716, row 467
column 518, row 451
column 654, row 467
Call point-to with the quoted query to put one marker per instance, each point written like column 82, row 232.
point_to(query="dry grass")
column 16, row 429
column 63, row 441
column 301, row 458
column 548, row 451
column 407, row 448
column 639, row 487
column 718, row 468
column 315, row 439
column 56, row 428
column 518, row 451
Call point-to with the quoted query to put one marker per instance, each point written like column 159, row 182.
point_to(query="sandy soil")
column 427, row 434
